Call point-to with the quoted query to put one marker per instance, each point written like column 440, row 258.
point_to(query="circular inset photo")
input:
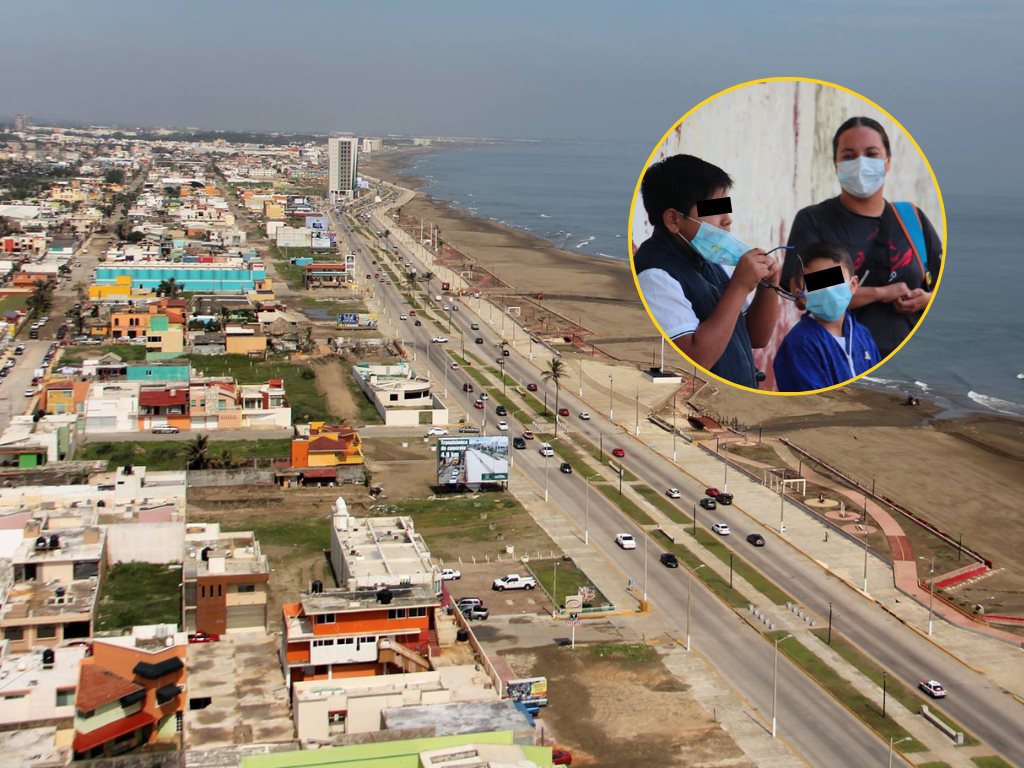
column 785, row 236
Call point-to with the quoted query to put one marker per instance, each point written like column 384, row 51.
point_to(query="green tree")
column 306, row 343
column 224, row 460
column 41, row 300
column 114, row 176
column 555, row 371
column 197, row 452
column 170, row 288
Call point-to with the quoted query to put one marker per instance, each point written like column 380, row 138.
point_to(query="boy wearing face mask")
column 828, row 346
column 696, row 278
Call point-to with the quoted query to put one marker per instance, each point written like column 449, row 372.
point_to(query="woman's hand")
column 911, row 301
column 892, row 292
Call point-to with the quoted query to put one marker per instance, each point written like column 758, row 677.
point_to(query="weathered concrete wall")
column 145, row 542
column 204, row 478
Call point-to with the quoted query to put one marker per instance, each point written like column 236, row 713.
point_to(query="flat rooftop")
column 236, row 552
column 377, row 549
column 36, row 600
column 72, row 546
column 459, row 717
column 340, row 601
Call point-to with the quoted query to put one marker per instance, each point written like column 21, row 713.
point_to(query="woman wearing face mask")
column 895, row 249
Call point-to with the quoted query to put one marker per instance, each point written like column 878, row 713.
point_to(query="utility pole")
column 689, row 589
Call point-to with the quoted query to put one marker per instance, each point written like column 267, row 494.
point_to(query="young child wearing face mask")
column 827, row 346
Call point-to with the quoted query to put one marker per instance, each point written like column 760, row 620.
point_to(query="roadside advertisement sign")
column 472, row 460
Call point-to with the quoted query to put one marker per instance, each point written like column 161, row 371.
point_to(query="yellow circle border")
column 789, row 79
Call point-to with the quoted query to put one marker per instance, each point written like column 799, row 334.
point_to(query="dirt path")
column 331, row 384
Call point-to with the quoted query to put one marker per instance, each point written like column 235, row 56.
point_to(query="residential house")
column 112, row 407
column 30, row 442
column 226, row 579
column 164, row 405
column 64, row 396
column 247, row 339
column 130, row 692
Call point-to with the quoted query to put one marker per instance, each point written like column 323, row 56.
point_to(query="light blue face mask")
column 717, row 245
column 862, row 176
column 830, row 303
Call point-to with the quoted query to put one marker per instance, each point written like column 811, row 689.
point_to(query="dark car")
column 418, row 322
column 531, row 387
column 467, row 387
column 505, row 353
column 518, row 442
column 502, row 411
column 756, row 539
column 563, row 411
column 707, row 503
column 479, row 340
column 669, row 560
column 724, row 498
column 566, row 467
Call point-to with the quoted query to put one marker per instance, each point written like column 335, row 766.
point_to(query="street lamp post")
column 554, row 587
column 775, row 681
column 931, row 595
column 586, row 513
column 885, row 690
column 782, row 510
column 725, row 479
column 638, row 411
column 646, row 537
column 611, row 395
column 829, row 642
column 579, row 359
column 674, row 425
column 865, row 560
column 689, row 589
column 546, row 478
column 893, row 743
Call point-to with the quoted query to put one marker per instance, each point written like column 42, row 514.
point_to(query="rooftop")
column 459, row 718
column 235, row 552
column 72, row 544
column 98, row 686
column 37, row 600
column 342, row 601
column 380, row 550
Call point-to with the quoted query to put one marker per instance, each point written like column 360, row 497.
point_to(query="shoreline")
column 941, row 407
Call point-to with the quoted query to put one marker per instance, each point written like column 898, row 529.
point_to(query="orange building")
column 339, row 633
column 130, row 694
column 326, row 445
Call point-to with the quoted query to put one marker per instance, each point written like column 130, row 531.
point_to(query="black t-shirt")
column 881, row 255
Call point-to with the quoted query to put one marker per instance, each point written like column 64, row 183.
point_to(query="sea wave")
column 997, row 404
column 922, row 385
column 544, row 216
column 883, row 382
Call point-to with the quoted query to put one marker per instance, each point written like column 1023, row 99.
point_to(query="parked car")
column 565, row 467
column 625, row 540
column 724, row 498
column 721, row 529
column 476, row 613
column 514, row 581
column 165, row 429
column 203, row 637
column 531, row 387
column 465, row 603
column 619, row 452
column 585, row 415
column 450, row 574
column 669, row 560
column 436, row 431
column 756, row 539
column 563, row 411
column 673, row 493
column 518, row 442
column 469, row 430
column 933, row 688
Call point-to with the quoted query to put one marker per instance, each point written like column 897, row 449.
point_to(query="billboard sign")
column 472, row 460
column 317, row 224
column 320, row 242
column 357, row 320
column 528, row 690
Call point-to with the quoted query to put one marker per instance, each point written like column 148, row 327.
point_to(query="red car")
column 620, row 452
column 561, row 757
column 563, row 411
column 478, row 403
column 712, row 492
column 203, row 637
column 532, row 387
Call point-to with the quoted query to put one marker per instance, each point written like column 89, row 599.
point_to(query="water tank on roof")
column 384, row 596
column 54, row 541
column 127, row 469
column 318, row 587
column 48, row 657
column 205, row 554
column 41, row 543
column 60, row 591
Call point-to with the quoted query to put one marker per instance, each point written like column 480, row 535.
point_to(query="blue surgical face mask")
column 717, row 245
column 830, row 303
column 862, row 176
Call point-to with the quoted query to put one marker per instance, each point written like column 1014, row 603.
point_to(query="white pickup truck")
column 514, row 581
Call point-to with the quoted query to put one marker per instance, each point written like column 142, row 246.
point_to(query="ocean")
column 967, row 355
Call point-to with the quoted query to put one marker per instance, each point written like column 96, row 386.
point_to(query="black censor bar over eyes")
column 824, row 278
column 715, row 207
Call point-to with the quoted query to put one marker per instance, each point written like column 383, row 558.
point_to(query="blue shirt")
column 810, row 357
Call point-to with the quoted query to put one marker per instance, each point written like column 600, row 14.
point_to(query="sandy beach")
column 959, row 473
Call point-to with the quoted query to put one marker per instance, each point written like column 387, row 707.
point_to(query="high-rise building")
column 21, row 122
column 373, row 145
column 343, row 156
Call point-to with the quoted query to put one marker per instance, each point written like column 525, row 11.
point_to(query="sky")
column 950, row 72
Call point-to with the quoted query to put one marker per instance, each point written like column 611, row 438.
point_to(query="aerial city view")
column 422, row 408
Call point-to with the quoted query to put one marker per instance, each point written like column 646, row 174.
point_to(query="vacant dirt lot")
column 615, row 710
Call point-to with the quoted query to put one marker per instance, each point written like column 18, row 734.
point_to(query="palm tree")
column 306, row 343
column 555, row 371
column 196, row 452
column 170, row 288
column 41, row 299
column 225, row 459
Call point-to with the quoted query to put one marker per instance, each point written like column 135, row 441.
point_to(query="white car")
column 455, row 366
column 673, row 493
column 165, row 430
column 484, row 396
column 585, row 415
column 403, row 316
column 547, row 450
column 625, row 540
column 436, row 431
column 721, row 529
column 503, row 426
column 450, row 574
column 439, row 340
column 933, row 688
column 30, row 393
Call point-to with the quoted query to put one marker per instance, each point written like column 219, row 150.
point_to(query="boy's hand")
column 892, row 292
column 754, row 266
column 911, row 301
